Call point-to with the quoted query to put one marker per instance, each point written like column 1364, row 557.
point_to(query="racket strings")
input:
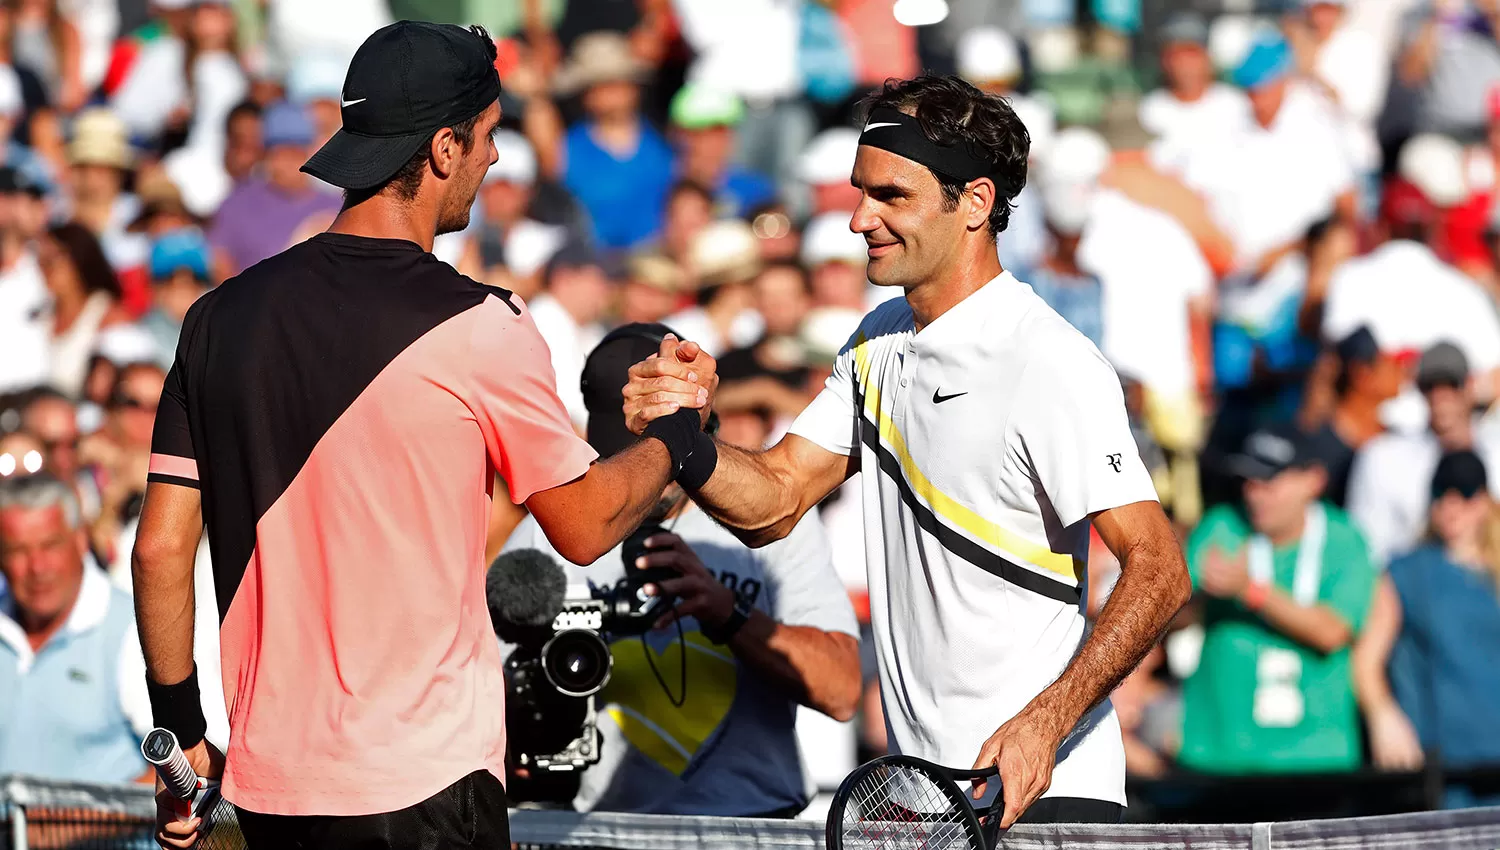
column 901, row 808
column 223, row 822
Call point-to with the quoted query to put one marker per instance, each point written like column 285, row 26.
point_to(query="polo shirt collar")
column 978, row 311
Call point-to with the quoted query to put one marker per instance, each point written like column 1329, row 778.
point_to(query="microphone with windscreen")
column 525, row 591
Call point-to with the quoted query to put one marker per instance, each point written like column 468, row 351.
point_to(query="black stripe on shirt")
column 954, row 542
column 161, row 478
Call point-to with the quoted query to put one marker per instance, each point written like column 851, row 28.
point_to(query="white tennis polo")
column 986, row 441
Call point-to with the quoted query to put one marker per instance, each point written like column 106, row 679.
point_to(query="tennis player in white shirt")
column 991, row 434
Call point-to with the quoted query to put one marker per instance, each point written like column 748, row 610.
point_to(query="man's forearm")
column 749, row 497
column 163, row 580
column 820, row 669
column 1316, row 626
column 586, row 518
column 1153, row 587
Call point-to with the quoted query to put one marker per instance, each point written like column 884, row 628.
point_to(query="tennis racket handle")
column 164, row 753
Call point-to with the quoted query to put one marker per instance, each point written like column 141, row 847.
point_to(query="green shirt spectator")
column 1286, row 583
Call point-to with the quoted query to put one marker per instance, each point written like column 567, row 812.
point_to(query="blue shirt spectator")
column 615, row 163
column 72, row 690
column 1077, row 297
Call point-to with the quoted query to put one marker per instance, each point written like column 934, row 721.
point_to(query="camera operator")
column 699, row 714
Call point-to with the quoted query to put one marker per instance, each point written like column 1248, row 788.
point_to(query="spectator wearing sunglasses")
column 52, row 419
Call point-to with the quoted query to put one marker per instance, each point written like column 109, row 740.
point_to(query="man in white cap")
column 835, row 258
column 1066, row 196
column 824, row 167
column 989, row 58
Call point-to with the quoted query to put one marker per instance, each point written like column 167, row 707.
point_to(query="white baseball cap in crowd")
column 825, row 331
column 827, row 238
column 1229, row 40
column 829, row 157
column 125, row 344
column 987, row 55
column 1038, row 116
column 1435, row 165
column 517, row 162
column 1076, row 155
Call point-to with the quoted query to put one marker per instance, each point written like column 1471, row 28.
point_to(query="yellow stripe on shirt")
column 941, row 503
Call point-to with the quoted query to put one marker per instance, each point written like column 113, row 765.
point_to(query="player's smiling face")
column 910, row 231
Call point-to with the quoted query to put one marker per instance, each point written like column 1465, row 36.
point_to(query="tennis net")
column 48, row 815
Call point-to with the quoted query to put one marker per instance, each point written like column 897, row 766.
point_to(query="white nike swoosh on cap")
column 869, row 127
column 352, row 102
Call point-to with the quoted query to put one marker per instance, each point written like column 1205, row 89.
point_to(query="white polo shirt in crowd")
column 986, row 441
column 1266, row 186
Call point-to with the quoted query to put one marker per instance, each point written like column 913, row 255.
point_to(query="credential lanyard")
column 1309, row 557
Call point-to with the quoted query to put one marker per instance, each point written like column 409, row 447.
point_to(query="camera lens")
column 576, row 662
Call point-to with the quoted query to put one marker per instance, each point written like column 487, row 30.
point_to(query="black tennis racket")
column 220, row 829
column 906, row 803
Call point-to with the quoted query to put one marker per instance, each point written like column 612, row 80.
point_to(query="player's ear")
column 982, row 197
column 446, row 152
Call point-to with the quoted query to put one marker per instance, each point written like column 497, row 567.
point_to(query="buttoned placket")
column 906, row 373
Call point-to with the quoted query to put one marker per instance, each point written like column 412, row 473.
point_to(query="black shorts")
column 1072, row 810
column 469, row 813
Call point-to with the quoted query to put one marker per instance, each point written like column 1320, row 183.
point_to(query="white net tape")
column 113, row 816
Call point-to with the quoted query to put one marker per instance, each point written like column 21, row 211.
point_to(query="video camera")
column 561, row 657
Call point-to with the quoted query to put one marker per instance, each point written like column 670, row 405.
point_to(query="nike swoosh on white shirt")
column 869, row 127
column 352, row 102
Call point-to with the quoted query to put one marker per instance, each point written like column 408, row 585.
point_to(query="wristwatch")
column 726, row 631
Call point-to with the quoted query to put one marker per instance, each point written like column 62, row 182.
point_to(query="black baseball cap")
column 1358, row 347
column 1272, row 450
column 1462, row 471
column 605, row 374
column 407, row 81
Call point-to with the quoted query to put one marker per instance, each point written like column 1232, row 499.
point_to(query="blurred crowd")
column 1278, row 220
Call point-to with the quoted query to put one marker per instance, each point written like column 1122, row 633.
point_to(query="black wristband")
column 700, row 463
column 738, row 617
column 679, row 433
column 177, row 708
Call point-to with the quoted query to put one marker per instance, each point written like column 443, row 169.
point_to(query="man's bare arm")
column 1153, row 587
column 761, row 496
column 166, row 546
column 1315, row 626
column 586, row 517
column 820, row 669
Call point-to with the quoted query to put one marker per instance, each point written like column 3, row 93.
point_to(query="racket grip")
column 163, row 752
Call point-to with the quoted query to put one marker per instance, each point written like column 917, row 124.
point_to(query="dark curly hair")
column 951, row 111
